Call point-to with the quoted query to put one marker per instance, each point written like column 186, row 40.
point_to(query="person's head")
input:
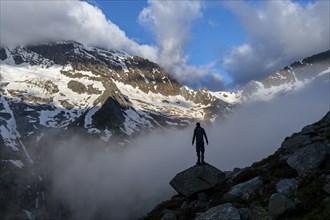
column 198, row 124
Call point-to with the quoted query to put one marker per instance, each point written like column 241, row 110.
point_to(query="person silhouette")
column 199, row 134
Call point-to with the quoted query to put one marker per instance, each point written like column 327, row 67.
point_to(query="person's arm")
column 194, row 136
column 204, row 133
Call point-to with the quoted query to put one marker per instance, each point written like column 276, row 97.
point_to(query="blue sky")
column 217, row 30
column 213, row 34
column 214, row 44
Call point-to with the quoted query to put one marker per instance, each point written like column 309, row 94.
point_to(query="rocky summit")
column 196, row 179
column 293, row 183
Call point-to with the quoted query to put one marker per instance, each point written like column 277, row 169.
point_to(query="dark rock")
column 295, row 141
column 5, row 116
column 279, row 204
column 51, row 87
column 168, row 215
column 308, row 158
column 193, row 204
column 308, row 129
column 326, row 188
column 259, row 213
column 18, row 59
column 224, row 212
column 109, row 115
column 67, row 104
column 202, row 197
column 245, row 213
column 77, row 87
column 201, row 205
column 196, row 179
column 245, row 190
column 3, row 54
column 287, row 186
column 184, row 205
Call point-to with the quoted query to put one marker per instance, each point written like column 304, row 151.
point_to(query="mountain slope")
column 293, row 183
column 288, row 79
column 64, row 84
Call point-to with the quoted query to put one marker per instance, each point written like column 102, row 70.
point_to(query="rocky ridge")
column 288, row 79
column 293, row 183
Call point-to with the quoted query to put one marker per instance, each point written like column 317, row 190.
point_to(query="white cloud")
column 278, row 33
column 24, row 22
column 171, row 22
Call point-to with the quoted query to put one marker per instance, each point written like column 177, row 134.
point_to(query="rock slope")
column 293, row 183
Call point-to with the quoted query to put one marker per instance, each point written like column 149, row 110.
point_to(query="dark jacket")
column 199, row 132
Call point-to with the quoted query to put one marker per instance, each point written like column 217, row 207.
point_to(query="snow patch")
column 26, row 153
column 107, row 135
column 39, row 137
column 17, row 163
column 29, row 214
column 88, row 116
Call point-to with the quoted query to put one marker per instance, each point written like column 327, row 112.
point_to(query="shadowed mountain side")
column 196, row 179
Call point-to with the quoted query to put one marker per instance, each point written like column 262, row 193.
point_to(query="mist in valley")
column 126, row 182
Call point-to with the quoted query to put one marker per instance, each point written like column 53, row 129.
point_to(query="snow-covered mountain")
column 114, row 96
column 52, row 91
column 288, row 79
column 65, row 84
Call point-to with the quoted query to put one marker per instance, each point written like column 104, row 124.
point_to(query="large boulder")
column 287, row 186
column 196, row 179
column 259, row 213
column 279, row 204
column 295, row 141
column 224, row 212
column 245, row 190
column 307, row 159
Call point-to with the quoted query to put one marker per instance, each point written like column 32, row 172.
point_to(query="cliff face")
column 293, row 183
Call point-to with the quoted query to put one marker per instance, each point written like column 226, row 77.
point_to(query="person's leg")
column 202, row 150
column 198, row 151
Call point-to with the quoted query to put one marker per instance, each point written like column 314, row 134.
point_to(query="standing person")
column 199, row 134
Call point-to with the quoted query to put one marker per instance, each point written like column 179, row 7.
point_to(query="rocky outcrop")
column 224, row 212
column 293, row 183
column 287, row 186
column 196, row 179
column 3, row 54
column 245, row 190
column 309, row 158
column 279, row 204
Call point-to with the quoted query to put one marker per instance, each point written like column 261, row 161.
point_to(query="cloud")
column 171, row 22
column 126, row 182
column 24, row 22
column 278, row 33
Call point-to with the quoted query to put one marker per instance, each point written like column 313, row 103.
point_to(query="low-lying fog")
column 119, row 183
